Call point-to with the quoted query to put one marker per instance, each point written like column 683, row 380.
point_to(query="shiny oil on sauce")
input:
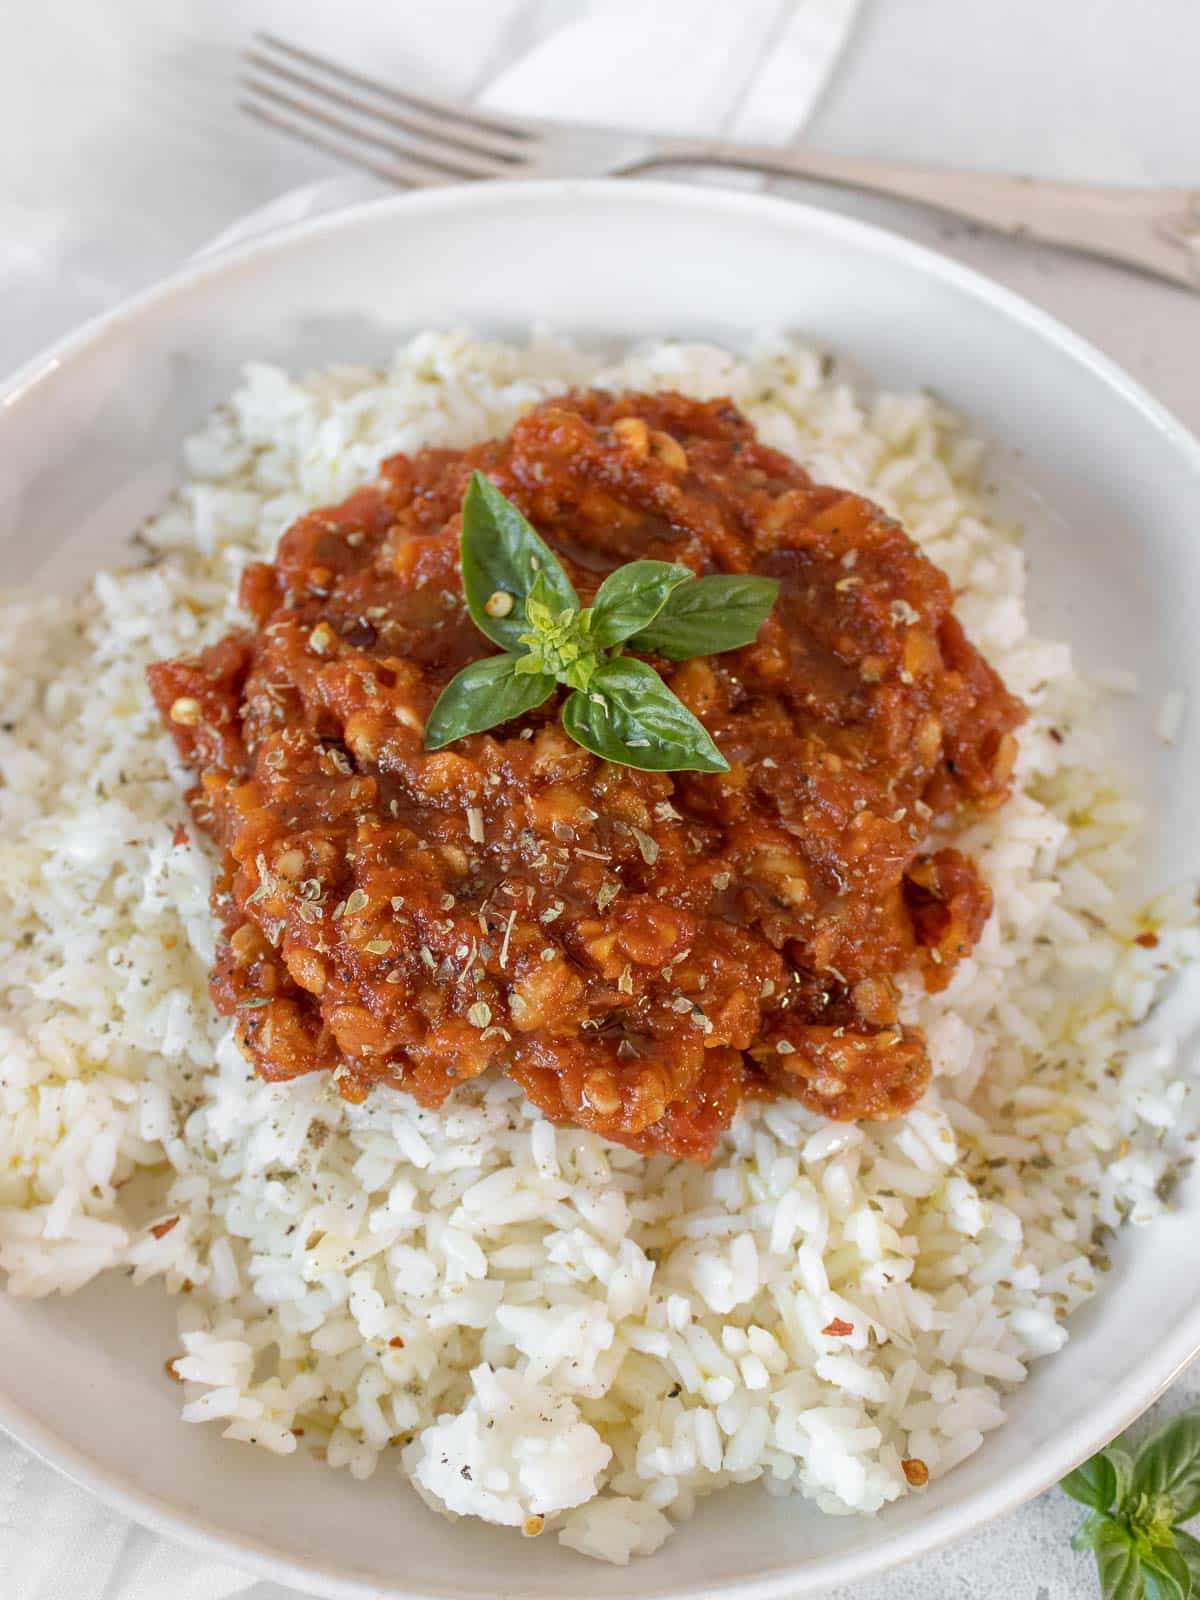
column 639, row 951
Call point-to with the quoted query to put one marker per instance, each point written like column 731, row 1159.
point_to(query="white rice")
column 539, row 1328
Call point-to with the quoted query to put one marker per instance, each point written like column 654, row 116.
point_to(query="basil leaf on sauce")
column 501, row 557
column 629, row 716
column 702, row 618
column 483, row 695
column 520, row 597
column 630, row 598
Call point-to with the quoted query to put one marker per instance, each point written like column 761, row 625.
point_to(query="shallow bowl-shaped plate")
column 89, row 439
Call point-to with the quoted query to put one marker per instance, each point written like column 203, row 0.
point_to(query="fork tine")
column 459, row 158
column 496, row 134
column 416, row 166
column 390, row 172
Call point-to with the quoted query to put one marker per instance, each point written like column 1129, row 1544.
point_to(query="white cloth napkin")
column 753, row 70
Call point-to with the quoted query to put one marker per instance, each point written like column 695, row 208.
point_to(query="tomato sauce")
column 639, row 951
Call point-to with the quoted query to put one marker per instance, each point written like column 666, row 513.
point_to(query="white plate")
column 89, row 439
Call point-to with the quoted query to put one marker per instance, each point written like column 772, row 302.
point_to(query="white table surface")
column 120, row 153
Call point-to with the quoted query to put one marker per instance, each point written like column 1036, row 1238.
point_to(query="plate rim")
column 960, row 1515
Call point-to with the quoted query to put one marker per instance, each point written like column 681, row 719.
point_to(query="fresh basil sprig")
column 1134, row 1508
column 620, row 709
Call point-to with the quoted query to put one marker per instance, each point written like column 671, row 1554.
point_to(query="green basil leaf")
column 1169, row 1464
column 1093, row 1483
column 630, row 598
column 1165, row 1573
column 709, row 615
column 1189, row 1549
column 484, row 694
column 1086, row 1534
column 502, row 554
column 1118, row 1563
column 628, row 715
column 1122, row 1464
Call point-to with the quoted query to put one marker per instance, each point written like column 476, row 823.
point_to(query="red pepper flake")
column 397, row 1343
column 916, row 1471
column 1056, row 735
column 298, row 1433
column 837, row 1329
column 160, row 1229
column 1148, row 941
column 180, row 836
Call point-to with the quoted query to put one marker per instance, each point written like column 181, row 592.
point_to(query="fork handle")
column 1156, row 229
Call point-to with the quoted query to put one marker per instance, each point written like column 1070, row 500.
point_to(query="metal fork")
column 414, row 140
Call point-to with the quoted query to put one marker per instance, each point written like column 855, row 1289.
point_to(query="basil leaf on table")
column 630, row 598
column 1134, row 1508
column 1101, row 1482
column 1168, row 1464
column 501, row 556
column 1118, row 1562
column 723, row 612
column 483, row 695
column 1121, row 1463
column 1088, row 1531
column 1189, row 1549
column 629, row 716
column 1165, row 1574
